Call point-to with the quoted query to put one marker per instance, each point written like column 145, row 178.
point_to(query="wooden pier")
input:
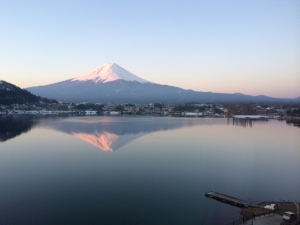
column 230, row 200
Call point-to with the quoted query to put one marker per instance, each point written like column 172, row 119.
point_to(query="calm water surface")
column 141, row 170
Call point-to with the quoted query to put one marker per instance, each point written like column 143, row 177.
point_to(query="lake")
column 141, row 170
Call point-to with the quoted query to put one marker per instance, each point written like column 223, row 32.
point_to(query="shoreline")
column 282, row 206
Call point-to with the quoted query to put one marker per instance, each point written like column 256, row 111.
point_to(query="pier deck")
column 230, row 200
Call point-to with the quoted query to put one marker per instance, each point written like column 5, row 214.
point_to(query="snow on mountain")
column 106, row 141
column 108, row 72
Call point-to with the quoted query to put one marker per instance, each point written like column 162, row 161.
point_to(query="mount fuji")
column 107, row 73
column 112, row 83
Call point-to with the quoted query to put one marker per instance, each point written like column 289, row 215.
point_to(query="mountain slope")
column 112, row 83
column 11, row 94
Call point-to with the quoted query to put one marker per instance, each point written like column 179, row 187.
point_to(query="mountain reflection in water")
column 106, row 133
column 103, row 141
column 12, row 126
column 57, row 173
column 111, row 133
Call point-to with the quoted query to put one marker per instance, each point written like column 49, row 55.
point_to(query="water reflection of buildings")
column 294, row 121
column 242, row 123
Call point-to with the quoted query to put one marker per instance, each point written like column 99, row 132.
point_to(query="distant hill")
column 112, row 83
column 11, row 94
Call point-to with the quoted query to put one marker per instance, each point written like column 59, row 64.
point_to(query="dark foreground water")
column 141, row 170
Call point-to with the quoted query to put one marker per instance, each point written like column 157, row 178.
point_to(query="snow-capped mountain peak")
column 108, row 72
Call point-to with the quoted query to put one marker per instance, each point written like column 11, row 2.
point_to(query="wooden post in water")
column 297, row 211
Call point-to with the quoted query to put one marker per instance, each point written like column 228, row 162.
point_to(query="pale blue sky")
column 252, row 47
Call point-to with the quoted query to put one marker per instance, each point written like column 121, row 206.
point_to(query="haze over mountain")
column 112, row 83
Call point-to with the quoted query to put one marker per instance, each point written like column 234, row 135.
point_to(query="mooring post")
column 297, row 211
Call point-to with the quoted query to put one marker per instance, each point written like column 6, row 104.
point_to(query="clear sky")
column 250, row 47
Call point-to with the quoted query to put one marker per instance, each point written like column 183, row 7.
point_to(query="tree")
column 158, row 105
